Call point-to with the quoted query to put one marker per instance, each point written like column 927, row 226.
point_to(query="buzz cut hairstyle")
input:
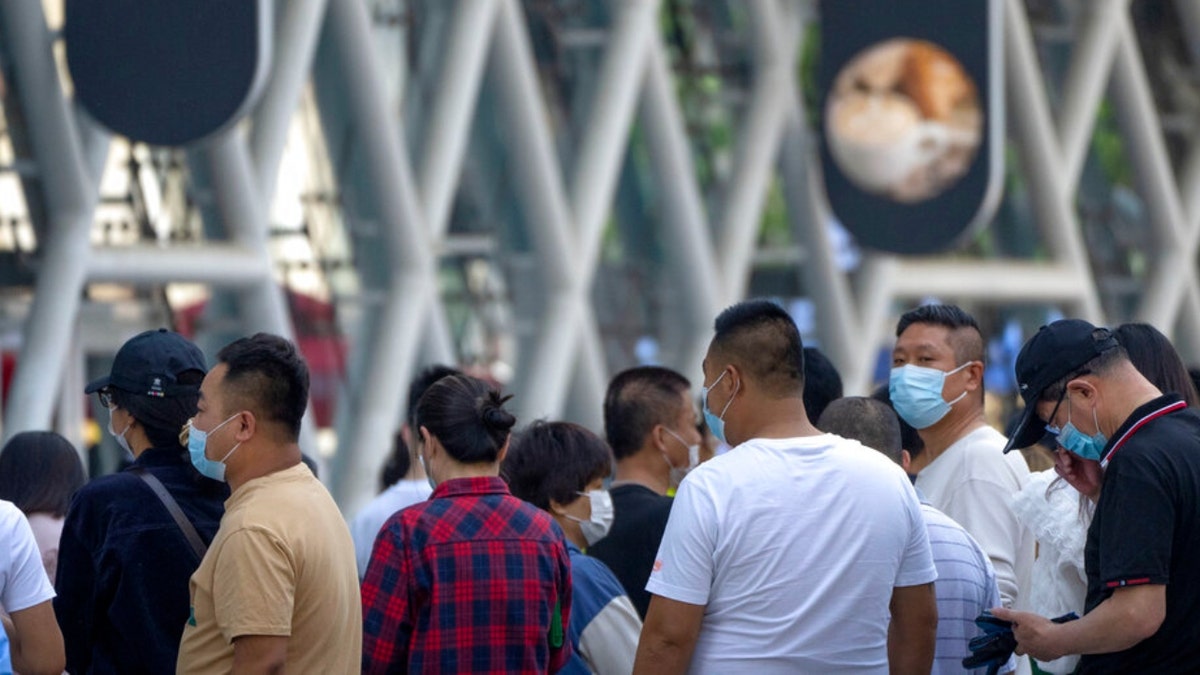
column 866, row 420
column 965, row 336
column 266, row 374
column 762, row 339
column 637, row 400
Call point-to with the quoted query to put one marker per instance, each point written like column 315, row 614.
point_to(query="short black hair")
column 965, row 336
column 467, row 416
column 870, row 422
column 638, row 399
column 822, row 383
column 267, row 375
column 40, row 472
column 161, row 418
column 1155, row 357
column 910, row 438
column 554, row 461
column 763, row 340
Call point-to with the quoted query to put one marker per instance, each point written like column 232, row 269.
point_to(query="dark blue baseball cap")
column 150, row 364
column 1057, row 350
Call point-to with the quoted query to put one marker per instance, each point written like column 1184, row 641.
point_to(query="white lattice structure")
column 563, row 370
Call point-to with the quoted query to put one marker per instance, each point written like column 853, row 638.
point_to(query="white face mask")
column 120, row 438
column 596, row 528
column 677, row 474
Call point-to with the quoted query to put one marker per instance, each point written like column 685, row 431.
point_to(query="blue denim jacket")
column 124, row 566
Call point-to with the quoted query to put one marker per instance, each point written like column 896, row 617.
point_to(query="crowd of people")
column 776, row 527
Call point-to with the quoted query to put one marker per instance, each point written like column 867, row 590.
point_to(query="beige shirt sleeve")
column 254, row 585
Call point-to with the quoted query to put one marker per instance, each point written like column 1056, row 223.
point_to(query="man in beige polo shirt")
column 278, row 588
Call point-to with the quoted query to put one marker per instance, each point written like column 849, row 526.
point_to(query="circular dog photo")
column 903, row 120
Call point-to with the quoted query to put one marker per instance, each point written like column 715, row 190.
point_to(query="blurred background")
column 549, row 191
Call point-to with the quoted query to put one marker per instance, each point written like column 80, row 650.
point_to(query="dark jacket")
column 124, row 566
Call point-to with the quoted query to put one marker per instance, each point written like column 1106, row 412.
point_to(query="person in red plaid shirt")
column 474, row 579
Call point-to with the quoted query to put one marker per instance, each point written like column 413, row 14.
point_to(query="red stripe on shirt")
column 1128, row 582
column 1178, row 405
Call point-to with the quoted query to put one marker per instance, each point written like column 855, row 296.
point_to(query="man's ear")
column 905, row 460
column 974, row 375
column 1082, row 387
column 659, row 437
column 246, row 426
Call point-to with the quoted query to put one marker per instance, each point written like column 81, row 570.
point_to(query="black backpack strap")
column 185, row 525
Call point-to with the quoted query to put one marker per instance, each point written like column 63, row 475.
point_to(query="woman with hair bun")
column 473, row 579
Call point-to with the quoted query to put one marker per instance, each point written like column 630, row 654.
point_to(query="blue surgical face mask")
column 197, row 440
column 1081, row 444
column 717, row 422
column 916, row 394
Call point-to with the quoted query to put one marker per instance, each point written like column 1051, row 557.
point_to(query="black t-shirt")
column 639, row 519
column 1147, row 531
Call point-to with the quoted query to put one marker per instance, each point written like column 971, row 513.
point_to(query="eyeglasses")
column 106, row 398
column 1050, row 426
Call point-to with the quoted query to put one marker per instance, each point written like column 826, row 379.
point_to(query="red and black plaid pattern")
column 466, row 582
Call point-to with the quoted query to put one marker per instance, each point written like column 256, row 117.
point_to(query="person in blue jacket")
column 560, row 467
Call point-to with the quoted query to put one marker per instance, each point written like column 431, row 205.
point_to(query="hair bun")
column 495, row 417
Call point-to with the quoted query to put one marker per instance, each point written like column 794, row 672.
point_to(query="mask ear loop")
column 951, row 372
column 736, row 386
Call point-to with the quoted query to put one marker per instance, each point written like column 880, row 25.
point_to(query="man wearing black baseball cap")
column 1117, row 431
column 124, row 556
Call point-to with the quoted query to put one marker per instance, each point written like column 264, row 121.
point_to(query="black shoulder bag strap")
column 189, row 530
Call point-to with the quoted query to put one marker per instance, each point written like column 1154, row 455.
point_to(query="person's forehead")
column 924, row 336
column 211, row 385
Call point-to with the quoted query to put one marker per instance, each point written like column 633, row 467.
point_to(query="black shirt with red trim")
column 1146, row 530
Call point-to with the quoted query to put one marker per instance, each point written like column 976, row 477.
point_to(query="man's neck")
column 948, row 431
column 776, row 418
column 271, row 459
column 647, row 467
column 1138, row 392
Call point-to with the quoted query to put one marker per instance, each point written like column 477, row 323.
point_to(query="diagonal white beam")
column 837, row 326
column 544, row 384
column 1147, row 151
column 1083, row 87
column 1029, row 111
column 70, row 203
column 294, row 45
column 685, row 221
column 453, row 108
column 391, row 347
column 771, row 99
column 606, row 137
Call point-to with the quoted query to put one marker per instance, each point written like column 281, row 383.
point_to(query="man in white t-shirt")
column 35, row 641
column 789, row 553
column 936, row 385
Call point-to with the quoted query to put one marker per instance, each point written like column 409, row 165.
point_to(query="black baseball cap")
column 150, row 364
column 1057, row 350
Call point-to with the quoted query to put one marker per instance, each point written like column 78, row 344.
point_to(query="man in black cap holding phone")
column 1136, row 453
